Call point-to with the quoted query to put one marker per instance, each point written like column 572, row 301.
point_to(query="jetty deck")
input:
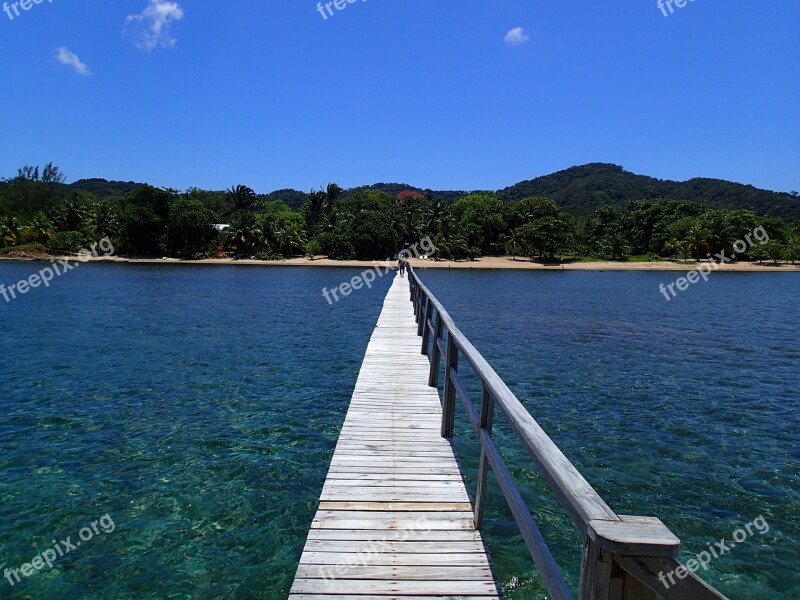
column 395, row 519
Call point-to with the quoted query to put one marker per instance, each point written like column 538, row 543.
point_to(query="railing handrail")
column 635, row 544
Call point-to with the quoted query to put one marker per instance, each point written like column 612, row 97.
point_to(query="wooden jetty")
column 395, row 519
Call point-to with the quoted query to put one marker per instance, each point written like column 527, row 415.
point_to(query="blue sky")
column 431, row 93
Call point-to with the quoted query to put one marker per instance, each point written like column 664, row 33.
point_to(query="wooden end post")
column 602, row 577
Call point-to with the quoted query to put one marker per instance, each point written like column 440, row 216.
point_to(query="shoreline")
column 485, row 263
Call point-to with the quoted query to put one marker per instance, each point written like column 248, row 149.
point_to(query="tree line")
column 37, row 211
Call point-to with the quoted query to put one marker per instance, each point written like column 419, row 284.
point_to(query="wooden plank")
column 389, row 597
column 397, row 506
column 432, row 535
column 377, row 556
column 396, row 547
column 395, row 519
column 442, row 589
column 450, row 573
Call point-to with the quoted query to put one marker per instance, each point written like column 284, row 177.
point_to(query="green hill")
column 578, row 190
column 104, row 189
column 582, row 189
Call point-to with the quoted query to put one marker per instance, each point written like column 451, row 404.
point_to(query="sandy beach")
column 489, row 262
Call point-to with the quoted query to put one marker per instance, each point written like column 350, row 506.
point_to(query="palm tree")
column 615, row 245
column 72, row 213
column 697, row 240
column 515, row 244
column 40, row 229
column 672, row 247
column 241, row 197
column 332, row 194
column 11, row 232
column 720, row 235
column 316, row 206
column 245, row 236
column 104, row 221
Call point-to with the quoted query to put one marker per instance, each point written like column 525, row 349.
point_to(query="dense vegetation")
column 584, row 189
column 37, row 207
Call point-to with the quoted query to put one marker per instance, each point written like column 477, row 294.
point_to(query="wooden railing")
column 623, row 556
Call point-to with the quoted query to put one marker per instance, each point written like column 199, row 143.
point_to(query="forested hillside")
column 40, row 211
column 582, row 189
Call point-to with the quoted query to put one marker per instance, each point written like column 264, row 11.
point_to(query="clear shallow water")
column 687, row 410
column 199, row 407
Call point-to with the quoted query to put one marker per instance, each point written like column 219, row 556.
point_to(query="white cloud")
column 150, row 28
column 516, row 37
column 66, row 57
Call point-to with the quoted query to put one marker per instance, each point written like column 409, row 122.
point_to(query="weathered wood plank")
column 446, row 589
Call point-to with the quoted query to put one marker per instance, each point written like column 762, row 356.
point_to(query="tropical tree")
column 721, row 235
column 603, row 223
column 40, row 229
column 104, row 221
column 532, row 208
column 245, row 236
column 73, row 211
column 547, row 237
column 11, row 232
column 315, row 206
column 793, row 249
column 241, row 197
column 775, row 251
column 145, row 216
column 481, row 218
column 515, row 243
column 191, row 229
column 672, row 247
column 52, row 174
column 332, row 194
column 697, row 240
column 616, row 246
column 313, row 249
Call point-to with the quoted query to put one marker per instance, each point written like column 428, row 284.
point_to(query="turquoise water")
column 687, row 410
column 199, row 407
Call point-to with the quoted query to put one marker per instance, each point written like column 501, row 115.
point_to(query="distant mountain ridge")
column 582, row 189
column 578, row 190
column 105, row 189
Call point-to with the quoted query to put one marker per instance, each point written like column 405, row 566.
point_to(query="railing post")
column 417, row 296
column 436, row 358
column 426, row 329
column 603, row 579
column 596, row 567
column 486, row 422
column 424, row 307
column 449, row 407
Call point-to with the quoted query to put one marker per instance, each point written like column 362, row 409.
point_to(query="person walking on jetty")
column 402, row 264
